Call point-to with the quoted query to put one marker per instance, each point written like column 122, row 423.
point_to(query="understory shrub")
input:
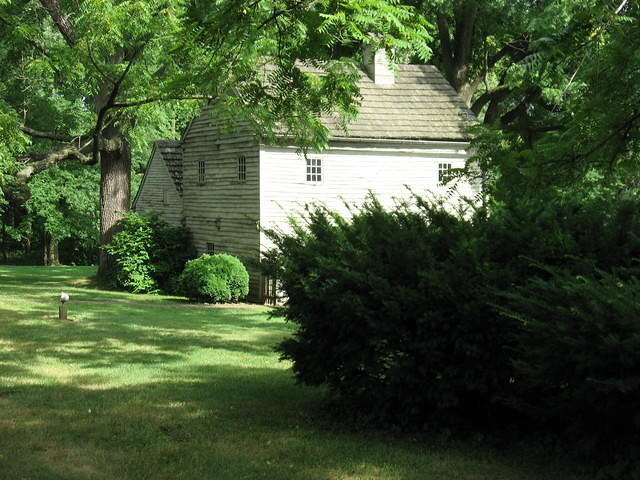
column 215, row 278
column 149, row 253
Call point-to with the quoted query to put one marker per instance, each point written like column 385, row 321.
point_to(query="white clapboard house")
column 226, row 184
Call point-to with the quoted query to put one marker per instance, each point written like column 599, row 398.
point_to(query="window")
column 314, row 170
column 210, row 248
column 242, row 168
column 165, row 197
column 444, row 173
column 202, row 171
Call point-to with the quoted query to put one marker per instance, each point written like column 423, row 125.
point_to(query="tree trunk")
column 51, row 256
column 4, row 242
column 115, row 192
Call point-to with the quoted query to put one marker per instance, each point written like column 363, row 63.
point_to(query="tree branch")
column 47, row 135
column 61, row 20
column 97, row 67
column 445, row 44
column 37, row 162
column 626, row 126
column 498, row 93
column 110, row 102
column 137, row 103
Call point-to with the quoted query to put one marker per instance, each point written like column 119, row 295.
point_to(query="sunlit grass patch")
column 158, row 392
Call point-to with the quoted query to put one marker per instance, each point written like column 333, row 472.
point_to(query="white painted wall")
column 350, row 171
column 157, row 186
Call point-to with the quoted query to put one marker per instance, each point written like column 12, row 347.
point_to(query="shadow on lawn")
column 222, row 423
column 108, row 335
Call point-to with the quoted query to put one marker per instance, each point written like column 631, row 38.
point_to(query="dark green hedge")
column 417, row 318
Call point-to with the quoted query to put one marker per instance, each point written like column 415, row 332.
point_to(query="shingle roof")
column 421, row 105
column 171, row 153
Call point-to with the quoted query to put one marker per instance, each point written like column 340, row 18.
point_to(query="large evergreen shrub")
column 577, row 359
column 215, row 278
column 525, row 315
column 391, row 314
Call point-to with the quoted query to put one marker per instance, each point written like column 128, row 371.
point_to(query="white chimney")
column 378, row 66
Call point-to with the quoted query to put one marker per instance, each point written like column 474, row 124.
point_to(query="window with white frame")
column 202, row 172
column 242, row 168
column 314, row 170
column 444, row 173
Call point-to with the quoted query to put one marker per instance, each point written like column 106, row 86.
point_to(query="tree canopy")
column 85, row 81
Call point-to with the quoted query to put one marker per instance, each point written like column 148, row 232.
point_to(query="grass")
column 151, row 390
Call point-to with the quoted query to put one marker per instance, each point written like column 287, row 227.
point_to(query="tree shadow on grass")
column 107, row 337
column 223, row 423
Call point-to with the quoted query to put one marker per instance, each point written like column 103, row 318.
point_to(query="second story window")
column 444, row 173
column 314, row 170
column 202, row 172
column 242, row 168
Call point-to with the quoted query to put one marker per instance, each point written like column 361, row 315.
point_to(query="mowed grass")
column 153, row 390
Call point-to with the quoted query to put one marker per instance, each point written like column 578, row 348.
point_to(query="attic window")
column 201, row 172
column 444, row 173
column 314, row 170
column 210, row 248
column 242, row 168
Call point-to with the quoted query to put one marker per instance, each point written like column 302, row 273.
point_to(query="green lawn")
column 151, row 390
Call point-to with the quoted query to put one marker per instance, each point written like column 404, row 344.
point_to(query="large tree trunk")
column 51, row 255
column 115, row 191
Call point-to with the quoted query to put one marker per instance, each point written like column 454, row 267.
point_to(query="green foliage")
column 416, row 317
column 215, row 278
column 149, row 253
column 131, row 249
column 392, row 316
column 68, row 203
column 577, row 360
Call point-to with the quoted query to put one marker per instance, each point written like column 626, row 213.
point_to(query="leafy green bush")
column 402, row 315
column 391, row 314
column 149, row 253
column 577, row 360
column 215, row 278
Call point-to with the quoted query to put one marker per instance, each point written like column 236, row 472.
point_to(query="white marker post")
column 63, row 310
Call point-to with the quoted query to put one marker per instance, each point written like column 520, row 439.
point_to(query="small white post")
column 63, row 310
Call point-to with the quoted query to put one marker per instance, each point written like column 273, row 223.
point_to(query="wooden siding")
column 158, row 193
column 223, row 210
column 350, row 171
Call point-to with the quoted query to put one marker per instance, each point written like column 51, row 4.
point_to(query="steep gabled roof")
column 171, row 153
column 421, row 105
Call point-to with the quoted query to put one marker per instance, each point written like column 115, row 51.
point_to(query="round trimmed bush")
column 215, row 278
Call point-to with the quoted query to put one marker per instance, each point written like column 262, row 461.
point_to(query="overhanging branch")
column 46, row 135
column 137, row 103
column 37, row 162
